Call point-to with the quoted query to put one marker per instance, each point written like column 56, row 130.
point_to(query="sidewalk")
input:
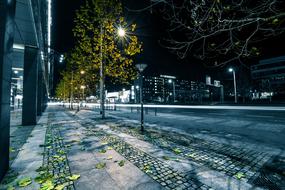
column 78, row 150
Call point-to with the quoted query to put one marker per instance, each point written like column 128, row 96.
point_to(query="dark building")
column 24, row 65
column 269, row 77
column 169, row 89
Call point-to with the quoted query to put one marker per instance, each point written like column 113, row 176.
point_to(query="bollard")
column 131, row 109
column 155, row 111
column 146, row 111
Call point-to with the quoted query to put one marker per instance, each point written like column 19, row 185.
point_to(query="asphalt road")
column 264, row 116
column 259, row 127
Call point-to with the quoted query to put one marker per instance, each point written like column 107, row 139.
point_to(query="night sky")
column 151, row 28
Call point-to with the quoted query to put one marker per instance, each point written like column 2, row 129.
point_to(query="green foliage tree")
column 96, row 31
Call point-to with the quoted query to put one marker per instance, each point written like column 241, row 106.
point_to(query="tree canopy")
column 96, row 31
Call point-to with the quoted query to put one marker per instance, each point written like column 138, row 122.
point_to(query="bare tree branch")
column 219, row 31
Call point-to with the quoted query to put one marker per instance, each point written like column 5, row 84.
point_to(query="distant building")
column 119, row 97
column 269, row 77
column 169, row 89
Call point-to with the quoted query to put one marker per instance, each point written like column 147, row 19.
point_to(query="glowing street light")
column 82, row 72
column 61, row 58
column 121, row 32
column 235, row 85
column 173, row 86
column 83, row 88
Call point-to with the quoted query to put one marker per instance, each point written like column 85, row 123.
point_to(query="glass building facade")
column 25, row 65
column 269, row 76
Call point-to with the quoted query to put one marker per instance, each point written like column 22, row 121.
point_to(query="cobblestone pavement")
column 55, row 161
column 158, row 170
column 42, row 160
column 258, row 168
column 224, row 158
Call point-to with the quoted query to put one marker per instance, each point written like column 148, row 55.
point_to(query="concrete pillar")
column 7, row 14
column 44, row 97
column 40, row 97
column 30, row 84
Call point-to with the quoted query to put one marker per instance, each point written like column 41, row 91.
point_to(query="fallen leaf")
column 41, row 168
column 48, row 185
column 11, row 188
column 177, row 151
column 240, row 175
column 104, row 143
column 56, row 156
column 100, row 165
column 73, row 177
column 102, row 151
column 146, row 168
column 191, row 155
column 61, row 152
column 59, row 187
column 165, row 157
column 25, row 182
column 122, row 163
column 11, row 149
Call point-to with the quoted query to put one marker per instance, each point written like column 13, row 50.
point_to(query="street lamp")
column 82, row 72
column 141, row 68
column 235, row 85
column 83, row 88
column 61, row 58
column 173, row 86
column 121, row 33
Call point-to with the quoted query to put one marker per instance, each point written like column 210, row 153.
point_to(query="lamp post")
column 102, row 77
column 121, row 33
column 173, row 86
column 71, row 91
column 137, row 89
column 235, row 85
column 141, row 68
